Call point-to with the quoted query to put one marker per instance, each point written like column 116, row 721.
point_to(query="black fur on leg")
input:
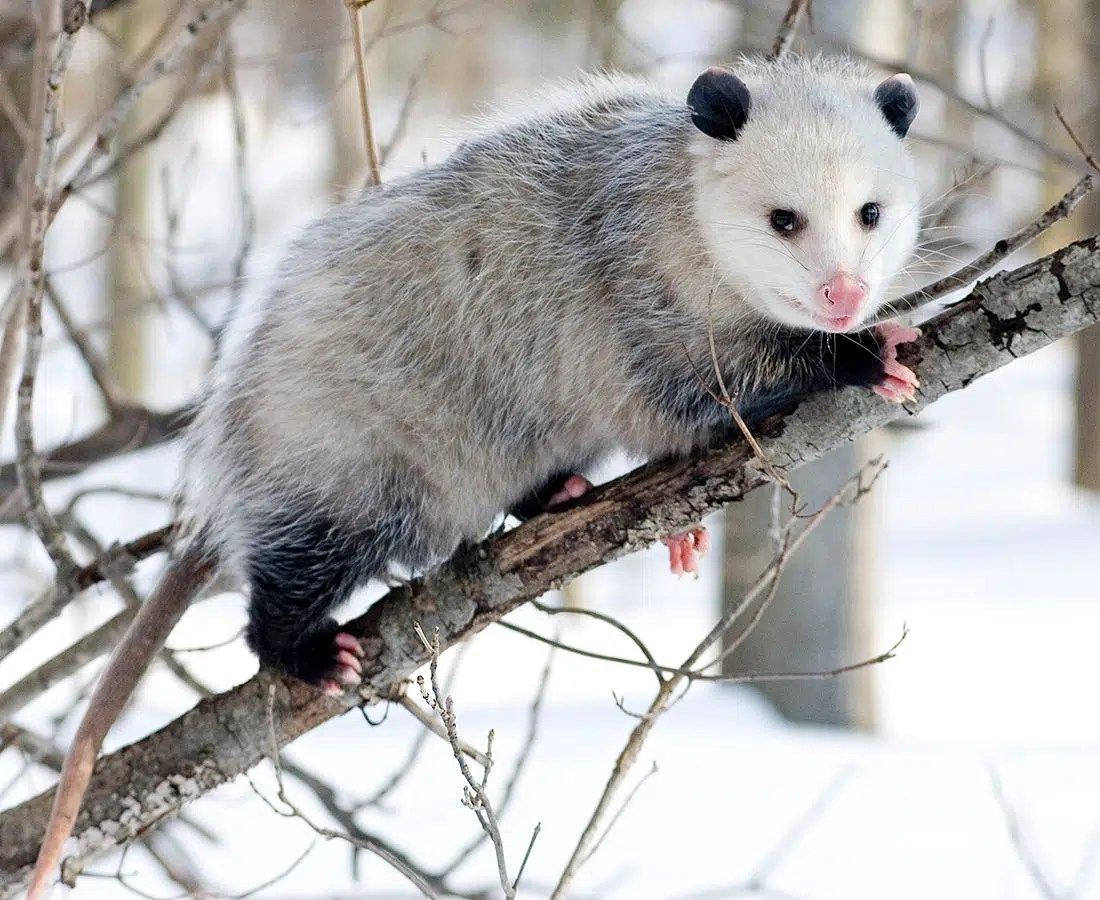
column 301, row 567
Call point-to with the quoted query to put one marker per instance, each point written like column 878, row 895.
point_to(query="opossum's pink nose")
column 842, row 296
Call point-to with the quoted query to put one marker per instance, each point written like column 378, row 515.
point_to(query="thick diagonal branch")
column 1011, row 315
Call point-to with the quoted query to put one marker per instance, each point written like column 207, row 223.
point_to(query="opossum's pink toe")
column 350, row 661
column 331, row 688
column 349, row 643
column 685, row 549
column 574, row 486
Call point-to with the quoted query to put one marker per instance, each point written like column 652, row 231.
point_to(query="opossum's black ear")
column 897, row 98
column 719, row 103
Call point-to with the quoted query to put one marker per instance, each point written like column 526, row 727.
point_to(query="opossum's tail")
column 182, row 580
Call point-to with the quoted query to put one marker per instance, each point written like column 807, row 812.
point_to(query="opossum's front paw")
column 685, row 549
column 898, row 382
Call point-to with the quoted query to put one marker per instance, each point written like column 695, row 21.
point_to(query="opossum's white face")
column 806, row 193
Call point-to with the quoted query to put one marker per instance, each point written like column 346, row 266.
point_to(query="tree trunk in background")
column 127, row 259
column 1067, row 73
column 15, row 68
column 822, row 614
column 1087, row 432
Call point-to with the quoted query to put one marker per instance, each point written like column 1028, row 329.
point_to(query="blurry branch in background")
column 1086, row 154
column 355, row 835
column 787, row 843
column 1044, row 884
column 54, row 42
column 1064, row 157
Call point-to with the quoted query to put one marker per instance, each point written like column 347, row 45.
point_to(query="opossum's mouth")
column 834, row 323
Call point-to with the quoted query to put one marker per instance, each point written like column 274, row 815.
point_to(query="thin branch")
column 96, row 364
column 474, row 795
column 374, row 165
column 787, row 28
column 533, row 716
column 1019, row 842
column 851, row 492
column 1089, row 158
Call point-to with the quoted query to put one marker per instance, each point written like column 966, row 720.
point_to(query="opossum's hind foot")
column 559, row 489
column 899, row 383
column 348, row 668
column 572, row 488
column 324, row 656
column 685, row 549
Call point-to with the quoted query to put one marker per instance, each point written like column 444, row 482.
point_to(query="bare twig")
column 374, row 165
column 53, row 48
column 1088, row 156
column 246, row 207
column 533, row 716
column 1019, row 842
column 787, row 28
column 406, row 767
column 97, row 365
column 1000, row 251
column 429, row 722
column 474, row 795
column 116, row 561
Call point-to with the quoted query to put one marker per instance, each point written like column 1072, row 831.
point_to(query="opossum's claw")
column 685, row 549
column 899, row 383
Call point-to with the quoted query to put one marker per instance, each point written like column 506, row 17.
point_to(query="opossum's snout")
column 840, row 302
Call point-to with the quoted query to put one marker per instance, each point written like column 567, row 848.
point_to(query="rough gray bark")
column 1011, row 315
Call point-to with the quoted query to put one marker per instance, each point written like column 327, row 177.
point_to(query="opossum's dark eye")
column 786, row 221
column 868, row 215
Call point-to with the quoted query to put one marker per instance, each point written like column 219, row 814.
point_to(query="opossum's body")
column 438, row 349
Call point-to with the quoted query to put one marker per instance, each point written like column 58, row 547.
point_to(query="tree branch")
column 1011, row 315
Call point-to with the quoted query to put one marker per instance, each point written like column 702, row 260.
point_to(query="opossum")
column 469, row 339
